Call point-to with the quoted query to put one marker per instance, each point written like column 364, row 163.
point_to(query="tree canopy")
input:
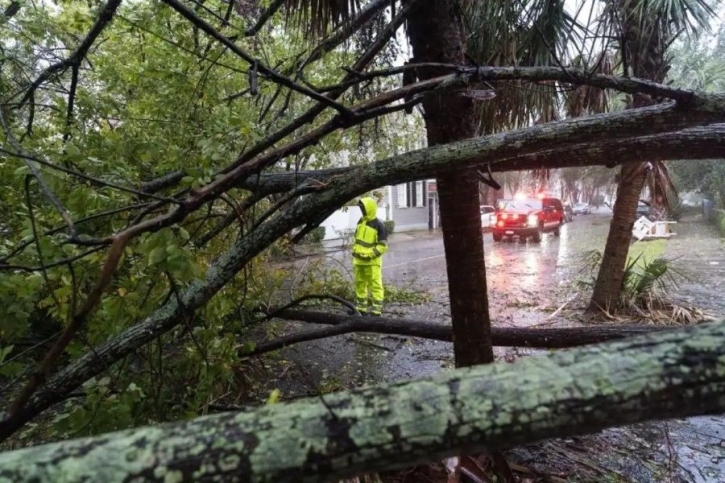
column 156, row 156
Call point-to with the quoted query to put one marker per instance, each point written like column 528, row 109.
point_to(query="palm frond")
column 582, row 100
column 660, row 184
column 519, row 32
column 689, row 16
column 316, row 17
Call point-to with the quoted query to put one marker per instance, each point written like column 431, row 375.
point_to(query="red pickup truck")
column 528, row 217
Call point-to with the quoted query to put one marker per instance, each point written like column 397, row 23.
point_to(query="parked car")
column 582, row 209
column 528, row 217
column 643, row 209
column 487, row 217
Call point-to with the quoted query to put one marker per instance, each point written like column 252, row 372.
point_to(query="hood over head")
column 369, row 208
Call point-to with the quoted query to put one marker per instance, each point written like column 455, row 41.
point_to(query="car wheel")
column 497, row 237
column 536, row 237
column 557, row 231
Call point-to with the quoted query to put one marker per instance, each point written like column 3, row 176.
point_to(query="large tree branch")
column 275, row 76
column 677, row 373
column 693, row 143
column 340, row 189
column 104, row 18
column 308, row 117
column 567, row 77
column 462, row 76
column 501, row 336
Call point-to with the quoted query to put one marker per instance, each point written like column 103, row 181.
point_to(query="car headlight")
column 533, row 220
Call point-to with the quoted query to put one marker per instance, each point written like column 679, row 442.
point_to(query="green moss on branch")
column 669, row 374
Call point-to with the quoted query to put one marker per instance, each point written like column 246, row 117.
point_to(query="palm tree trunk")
column 609, row 282
column 644, row 47
column 436, row 35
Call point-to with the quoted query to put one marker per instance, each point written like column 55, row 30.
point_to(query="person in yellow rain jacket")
column 371, row 243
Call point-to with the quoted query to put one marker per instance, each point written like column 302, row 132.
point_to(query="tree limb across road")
column 310, row 210
column 550, row 338
column 670, row 374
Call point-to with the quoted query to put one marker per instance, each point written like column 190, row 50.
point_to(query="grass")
column 645, row 251
column 648, row 278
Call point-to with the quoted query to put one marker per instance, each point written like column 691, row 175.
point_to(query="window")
column 519, row 205
column 402, row 195
column 411, row 195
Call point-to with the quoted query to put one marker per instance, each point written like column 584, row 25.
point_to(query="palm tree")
column 645, row 28
column 510, row 32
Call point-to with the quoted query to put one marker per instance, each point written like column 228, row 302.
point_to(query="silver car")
column 582, row 209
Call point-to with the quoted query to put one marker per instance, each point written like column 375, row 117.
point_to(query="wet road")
column 527, row 283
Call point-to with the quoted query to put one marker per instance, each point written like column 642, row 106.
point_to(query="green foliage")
column 699, row 63
column 389, row 226
column 721, row 223
column 103, row 410
column 316, row 235
column 154, row 96
column 647, row 279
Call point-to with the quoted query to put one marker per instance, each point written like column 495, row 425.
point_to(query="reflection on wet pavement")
column 527, row 282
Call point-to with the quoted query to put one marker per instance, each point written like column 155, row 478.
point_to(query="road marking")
column 414, row 261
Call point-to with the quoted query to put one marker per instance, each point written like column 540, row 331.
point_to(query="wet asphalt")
column 527, row 283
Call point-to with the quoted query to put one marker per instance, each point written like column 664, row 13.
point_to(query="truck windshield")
column 519, row 205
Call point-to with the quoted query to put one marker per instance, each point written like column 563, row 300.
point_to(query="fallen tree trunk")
column 502, row 336
column 336, row 192
column 699, row 142
column 657, row 376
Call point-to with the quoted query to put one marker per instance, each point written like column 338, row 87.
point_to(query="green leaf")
column 157, row 255
column 274, row 396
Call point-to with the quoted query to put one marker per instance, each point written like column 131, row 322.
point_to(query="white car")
column 487, row 217
column 582, row 209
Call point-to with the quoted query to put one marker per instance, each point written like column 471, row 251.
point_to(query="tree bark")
column 340, row 189
column 500, row 336
column 693, row 143
column 608, row 286
column 672, row 374
column 643, row 49
column 436, row 34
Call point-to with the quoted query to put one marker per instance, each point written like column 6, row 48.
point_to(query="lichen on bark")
column 668, row 374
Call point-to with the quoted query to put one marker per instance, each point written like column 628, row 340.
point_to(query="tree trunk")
column 436, row 35
column 611, row 273
column 644, row 49
column 673, row 374
column 694, row 143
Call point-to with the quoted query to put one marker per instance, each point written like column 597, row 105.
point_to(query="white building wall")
column 347, row 218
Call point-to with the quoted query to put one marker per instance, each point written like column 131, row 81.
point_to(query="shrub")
column 389, row 226
column 645, row 285
column 722, row 222
column 316, row 235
